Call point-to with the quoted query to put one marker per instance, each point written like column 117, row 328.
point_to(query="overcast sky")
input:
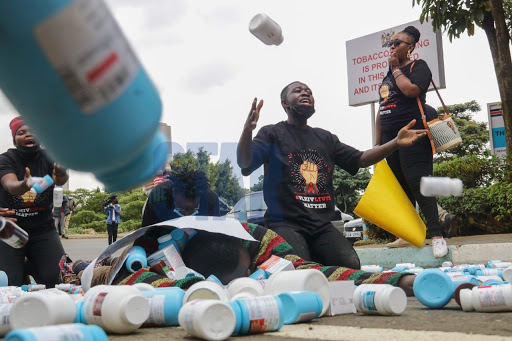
column 208, row 67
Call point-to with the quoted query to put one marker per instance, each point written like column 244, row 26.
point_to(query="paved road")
column 417, row 322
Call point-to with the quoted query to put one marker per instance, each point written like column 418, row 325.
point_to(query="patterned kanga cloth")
column 269, row 244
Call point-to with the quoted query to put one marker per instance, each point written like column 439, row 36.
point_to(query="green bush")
column 129, row 226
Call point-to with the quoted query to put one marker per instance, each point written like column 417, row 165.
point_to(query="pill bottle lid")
column 456, row 294
column 177, row 234
column 136, row 309
column 507, row 274
column 3, row 279
column 164, row 238
column 212, row 320
column 433, row 288
column 465, row 299
column 393, row 301
column 206, row 290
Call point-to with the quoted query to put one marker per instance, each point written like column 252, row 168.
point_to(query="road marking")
column 339, row 333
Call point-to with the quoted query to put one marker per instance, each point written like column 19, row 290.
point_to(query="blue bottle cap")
column 433, row 288
column 4, row 280
column 238, row 316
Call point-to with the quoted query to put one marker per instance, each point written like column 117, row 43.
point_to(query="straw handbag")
column 441, row 131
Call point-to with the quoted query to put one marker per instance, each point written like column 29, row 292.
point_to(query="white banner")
column 368, row 60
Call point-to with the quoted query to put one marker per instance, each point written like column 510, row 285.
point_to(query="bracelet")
column 395, row 71
column 399, row 76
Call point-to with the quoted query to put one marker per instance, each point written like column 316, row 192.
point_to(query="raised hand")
column 254, row 115
column 58, row 172
column 407, row 136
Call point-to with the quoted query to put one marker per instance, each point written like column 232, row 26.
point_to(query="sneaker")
column 65, row 237
column 399, row 243
column 439, row 247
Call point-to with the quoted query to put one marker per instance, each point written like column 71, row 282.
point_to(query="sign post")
column 496, row 129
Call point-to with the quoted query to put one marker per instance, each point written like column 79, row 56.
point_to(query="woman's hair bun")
column 413, row 32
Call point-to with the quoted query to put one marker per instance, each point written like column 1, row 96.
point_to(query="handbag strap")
column 424, row 118
column 440, row 98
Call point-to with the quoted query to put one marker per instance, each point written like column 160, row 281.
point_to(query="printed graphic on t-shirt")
column 387, row 94
column 309, row 174
column 29, row 204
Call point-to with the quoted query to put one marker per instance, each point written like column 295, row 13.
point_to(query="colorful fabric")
column 269, row 244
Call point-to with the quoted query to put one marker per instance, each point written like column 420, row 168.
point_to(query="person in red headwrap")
column 33, row 212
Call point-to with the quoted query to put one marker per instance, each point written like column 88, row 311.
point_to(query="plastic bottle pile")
column 274, row 295
column 473, row 286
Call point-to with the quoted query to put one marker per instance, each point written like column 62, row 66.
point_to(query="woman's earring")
column 409, row 54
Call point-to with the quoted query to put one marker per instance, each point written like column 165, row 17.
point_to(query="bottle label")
column 263, row 314
column 491, row 296
column 92, row 309
column 87, row 48
column 57, row 333
column 14, row 241
column 367, row 301
column 5, row 310
column 156, row 311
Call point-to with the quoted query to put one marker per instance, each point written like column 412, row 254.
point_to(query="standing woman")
column 32, row 212
column 397, row 106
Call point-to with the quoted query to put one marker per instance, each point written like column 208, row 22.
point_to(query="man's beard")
column 28, row 151
column 302, row 112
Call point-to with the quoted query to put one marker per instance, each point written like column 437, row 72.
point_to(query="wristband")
column 395, row 71
column 399, row 76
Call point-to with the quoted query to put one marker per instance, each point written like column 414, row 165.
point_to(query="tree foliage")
column 475, row 134
column 494, row 17
column 348, row 189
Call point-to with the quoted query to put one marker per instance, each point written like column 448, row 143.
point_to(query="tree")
column 348, row 188
column 494, row 17
column 475, row 135
column 259, row 185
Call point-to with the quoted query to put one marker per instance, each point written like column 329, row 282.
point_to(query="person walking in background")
column 405, row 82
column 59, row 215
column 299, row 163
column 32, row 212
column 72, row 206
column 113, row 213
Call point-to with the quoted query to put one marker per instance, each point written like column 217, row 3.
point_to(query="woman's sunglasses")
column 397, row 42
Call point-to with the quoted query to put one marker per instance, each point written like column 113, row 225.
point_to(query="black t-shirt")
column 298, row 168
column 32, row 212
column 160, row 205
column 397, row 110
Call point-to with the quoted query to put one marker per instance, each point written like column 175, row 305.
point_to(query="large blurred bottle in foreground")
column 68, row 69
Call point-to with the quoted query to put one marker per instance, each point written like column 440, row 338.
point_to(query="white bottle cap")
column 507, row 274
column 300, row 280
column 245, row 285
column 395, row 302
column 138, row 312
column 207, row 319
column 466, row 298
column 206, row 290
column 144, row 287
column 164, row 238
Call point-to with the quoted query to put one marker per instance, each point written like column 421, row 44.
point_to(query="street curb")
column 482, row 253
column 389, row 257
column 463, row 254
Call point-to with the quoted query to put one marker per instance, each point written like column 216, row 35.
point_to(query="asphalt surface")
column 416, row 323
